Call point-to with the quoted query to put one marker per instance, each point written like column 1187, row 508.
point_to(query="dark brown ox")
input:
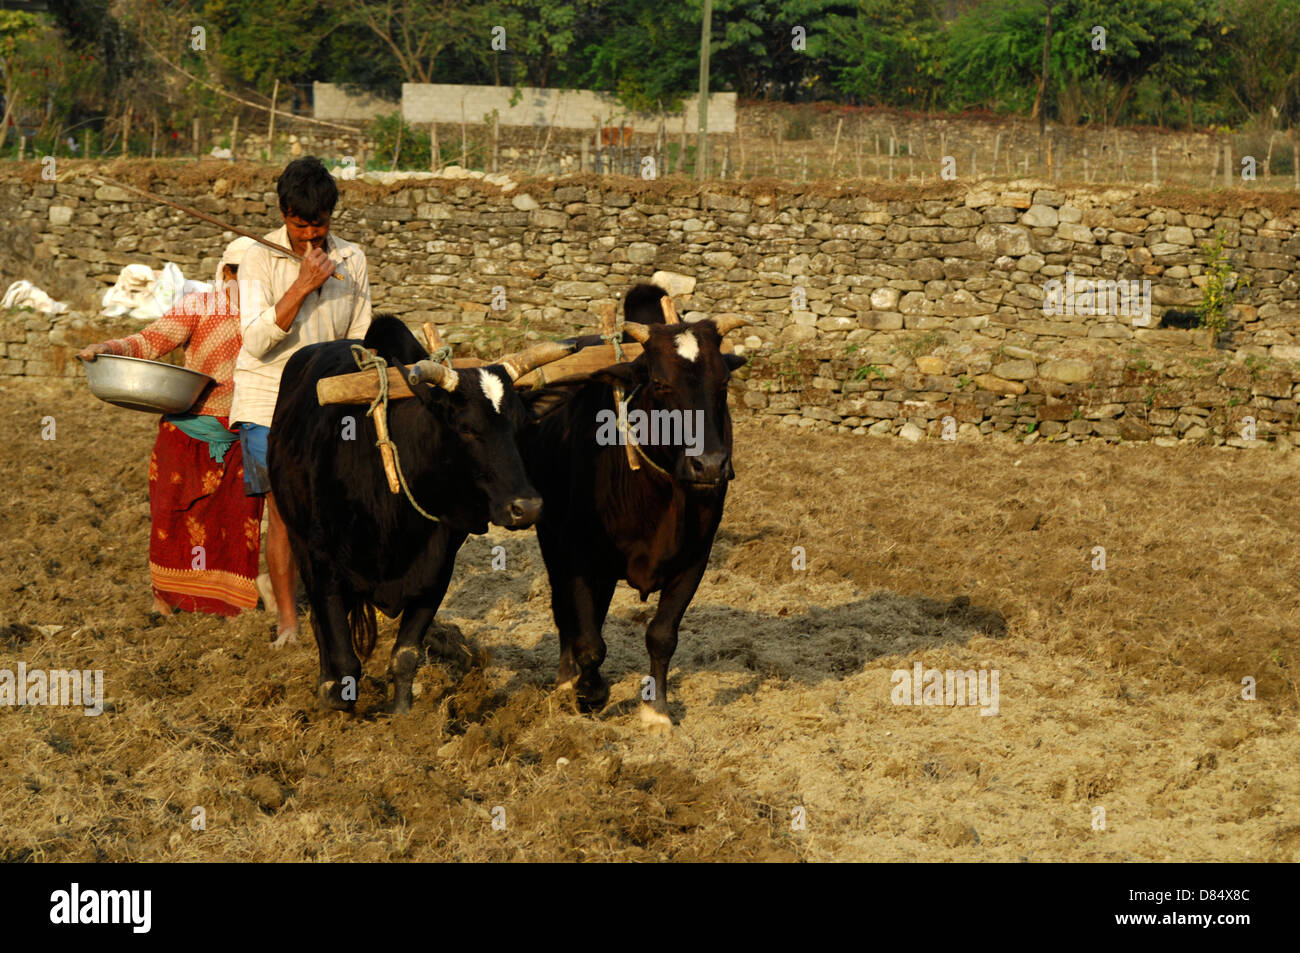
column 359, row 546
column 603, row 521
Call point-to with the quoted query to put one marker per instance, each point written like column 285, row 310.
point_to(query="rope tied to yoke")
column 621, row 424
column 366, row 360
column 615, row 338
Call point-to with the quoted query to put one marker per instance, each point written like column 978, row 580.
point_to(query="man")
column 285, row 305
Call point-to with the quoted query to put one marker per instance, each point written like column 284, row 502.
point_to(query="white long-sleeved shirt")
column 335, row 310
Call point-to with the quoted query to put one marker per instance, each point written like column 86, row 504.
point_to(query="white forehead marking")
column 687, row 346
column 492, row 389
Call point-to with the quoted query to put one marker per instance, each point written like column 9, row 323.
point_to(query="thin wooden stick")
column 246, row 102
column 207, row 218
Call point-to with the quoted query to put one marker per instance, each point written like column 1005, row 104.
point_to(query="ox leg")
column 406, row 653
column 580, row 603
column 338, row 660
column 416, row 619
column 661, row 643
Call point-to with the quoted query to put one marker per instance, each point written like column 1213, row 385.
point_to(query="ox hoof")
column 655, row 722
column 401, row 703
column 592, row 695
column 330, row 698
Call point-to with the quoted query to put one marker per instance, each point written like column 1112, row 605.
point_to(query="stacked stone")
column 871, row 315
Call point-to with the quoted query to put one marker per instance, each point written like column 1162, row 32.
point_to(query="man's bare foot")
column 161, row 607
column 285, row 635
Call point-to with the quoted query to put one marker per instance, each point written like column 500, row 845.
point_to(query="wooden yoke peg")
column 609, row 326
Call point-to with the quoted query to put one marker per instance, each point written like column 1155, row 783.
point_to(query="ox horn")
column 521, row 362
column 431, row 372
column 729, row 323
column 639, row 332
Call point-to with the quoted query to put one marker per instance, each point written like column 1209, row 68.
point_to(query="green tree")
column 257, row 45
column 44, row 78
column 20, row 34
column 414, row 33
column 541, row 37
column 1263, row 69
column 993, row 55
column 644, row 55
column 887, row 52
column 775, row 49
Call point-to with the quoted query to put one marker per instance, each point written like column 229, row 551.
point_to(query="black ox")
column 602, row 521
column 361, row 547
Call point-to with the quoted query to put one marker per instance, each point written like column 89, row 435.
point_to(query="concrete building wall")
column 563, row 108
column 335, row 103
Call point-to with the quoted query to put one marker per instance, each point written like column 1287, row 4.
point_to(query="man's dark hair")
column 307, row 190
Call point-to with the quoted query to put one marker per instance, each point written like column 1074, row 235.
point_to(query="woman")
column 205, row 532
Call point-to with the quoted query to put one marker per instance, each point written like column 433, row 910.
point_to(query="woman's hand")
column 90, row 352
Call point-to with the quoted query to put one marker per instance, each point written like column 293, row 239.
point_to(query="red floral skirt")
column 205, row 533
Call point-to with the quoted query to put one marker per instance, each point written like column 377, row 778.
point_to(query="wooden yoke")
column 609, row 326
column 361, row 387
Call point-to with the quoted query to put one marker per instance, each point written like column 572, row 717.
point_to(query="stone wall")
column 879, row 311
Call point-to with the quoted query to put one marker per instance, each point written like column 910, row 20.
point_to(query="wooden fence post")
column 270, row 132
column 835, row 151
column 681, row 153
column 496, row 137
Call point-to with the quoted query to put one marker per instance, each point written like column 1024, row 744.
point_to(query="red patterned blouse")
column 207, row 326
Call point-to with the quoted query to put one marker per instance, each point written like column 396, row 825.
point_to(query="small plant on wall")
column 1221, row 287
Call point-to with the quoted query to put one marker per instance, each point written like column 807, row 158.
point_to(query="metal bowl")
column 137, row 384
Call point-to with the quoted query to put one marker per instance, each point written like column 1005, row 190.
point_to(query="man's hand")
column 90, row 352
column 315, row 270
column 316, row 267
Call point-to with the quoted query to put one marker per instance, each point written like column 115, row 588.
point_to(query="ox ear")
column 625, row 375
column 541, row 402
column 734, row 362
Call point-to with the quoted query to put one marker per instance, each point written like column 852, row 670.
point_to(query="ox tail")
column 365, row 631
